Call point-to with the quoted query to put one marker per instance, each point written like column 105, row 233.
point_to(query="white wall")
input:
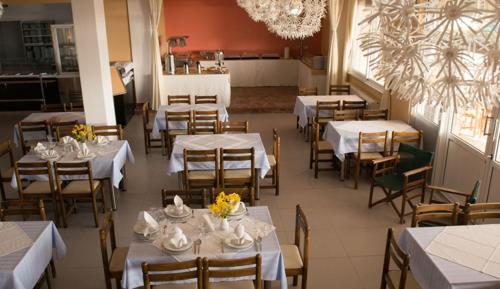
column 140, row 36
column 60, row 12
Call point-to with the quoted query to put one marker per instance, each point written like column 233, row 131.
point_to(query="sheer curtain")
column 155, row 7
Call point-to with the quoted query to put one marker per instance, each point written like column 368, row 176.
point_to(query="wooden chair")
column 154, row 275
column 65, row 128
column 109, row 130
column 37, row 190
column 179, row 99
column 307, row 91
column 318, row 148
column 399, row 178
column 62, row 131
column 355, row 104
column 23, row 208
column 147, row 126
column 297, row 262
column 113, row 260
column 237, row 177
column 7, row 173
column 409, row 137
column 375, row 114
column 441, row 195
column 191, row 198
column 56, row 107
column 481, row 211
column 325, row 111
column 341, row 115
column 274, row 161
column 203, row 99
column 231, row 268
column 233, row 126
column 169, row 133
column 76, row 106
column 362, row 157
column 247, row 195
column 204, row 122
column 339, row 89
column 426, row 215
column 86, row 189
column 200, row 178
column 34, row 127
column 396, row 279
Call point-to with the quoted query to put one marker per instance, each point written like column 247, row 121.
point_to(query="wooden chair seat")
column 365, row 156
column 238, row 174
column 272, row 160
column 411, row 283
column 245, row 284
column 6, row 174
column 291, row 257
column 391, row 182
column 149, row 127
column 177, row 286
column 80, row 187
column 324, row 146
column 117, row 262
column 38, row 188
column 202, row 175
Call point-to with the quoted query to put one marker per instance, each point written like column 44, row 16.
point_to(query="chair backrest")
column 233, row 126
column 325, row 110
column 306, row 91
column 247, row 195
column 203, row 127
column 429, row 213
column 340, row 89
column 481, row 211
column 302, row 229
column 372, row 138
column 200, row 99
column 63, row 130
column 399, row 257
column 107, row 231
column 109, row 130
column 191, row 157
column 349, row 114
column 23, row 169
column 227, row 156
column 177, row 116
column 76, row 106
column 68, row 126
column 179, row 99
column 30, row 127
column 355, row 104
column 145, row 114
column 406, row 137
column 315, row 136
column 419, row 158
column 56, row 107
column 375, row 114
column 22, row 208
column 161, row 273
column 6, row 149
column 189, row 197
column 81, row 169
column 206, row 115
column 232, row 268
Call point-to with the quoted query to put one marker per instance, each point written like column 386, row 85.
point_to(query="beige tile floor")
column 347, row 237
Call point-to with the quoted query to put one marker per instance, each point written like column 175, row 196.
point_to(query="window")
column 470, row 124
column 429, row 112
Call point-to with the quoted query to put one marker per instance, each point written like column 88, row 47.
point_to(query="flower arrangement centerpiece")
column 82, row 133
column 223, row 206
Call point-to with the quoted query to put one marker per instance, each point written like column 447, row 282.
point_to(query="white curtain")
column 155, row 9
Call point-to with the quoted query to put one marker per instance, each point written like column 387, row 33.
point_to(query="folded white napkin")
column 179, row 204
column 179, row 239
column 237, row 207
column 66, row 140
column 240, row 235
column 40, row 148
column 49, row 154
column 210, row 225
column 151, row 225
column 75, row 144
column 84, row 152
column 102, row 140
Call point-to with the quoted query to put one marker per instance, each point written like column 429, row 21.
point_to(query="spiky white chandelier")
column 442, row 52
column 289, row 19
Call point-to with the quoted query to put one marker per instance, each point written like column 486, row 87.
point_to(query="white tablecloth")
column 433, row 272
column 344, row 135
column 159, row 123
column 144, row 251
column 46, row 116
column 205, row 142
column 23, row 268
column 305, row 106
column 197, row 84
column 109, row 161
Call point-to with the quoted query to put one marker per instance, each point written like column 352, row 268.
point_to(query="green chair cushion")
column 390, row 182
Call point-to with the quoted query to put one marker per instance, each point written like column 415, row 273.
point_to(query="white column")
column 93, row 61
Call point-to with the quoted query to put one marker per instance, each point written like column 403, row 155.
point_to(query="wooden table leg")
column 342, row 170
column 112, row 194
column 267, row 284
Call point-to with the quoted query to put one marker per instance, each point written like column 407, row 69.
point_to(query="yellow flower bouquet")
column 224, row 204
column 82, row 133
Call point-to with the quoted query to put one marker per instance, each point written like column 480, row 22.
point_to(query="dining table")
column 26, row 248
column 454, row 257
column 257, row 222
column 107, row 163
column 343, row 136
column 159, row 123
column 49, row 117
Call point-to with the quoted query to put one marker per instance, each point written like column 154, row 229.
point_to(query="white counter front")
column 197, row 84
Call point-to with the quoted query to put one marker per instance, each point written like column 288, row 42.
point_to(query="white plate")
column 230, row 242
column 139, row 229
column 89, row 157
column 170, row 248
column 171, row 211
column 49, row 158
column 241, row 210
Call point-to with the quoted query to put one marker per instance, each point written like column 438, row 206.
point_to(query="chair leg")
column 311, row 158
column 297, row 124
column 123, row 183
column 304, row 280
column 2, row 192
column 295, row 280
column 356, row 174
column 146, row 142
column 403, row 206
column 103, row 201
column 94, row 209
column 163, row 143
column 63, row 211
column 316, row 164
column 53, row 268
column 118, row 282
column 370, row 200
column 48, row 278
column 277, row 182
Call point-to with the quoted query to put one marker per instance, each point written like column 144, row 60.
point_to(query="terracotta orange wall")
column 214, row 24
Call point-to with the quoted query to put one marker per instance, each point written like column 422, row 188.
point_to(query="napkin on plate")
column 85, row 152
column 49, row 154
column 179, row 205
column 102, row 140
column 240, row 235
column 179, row 239
column 40, row 148
column 237, row 207
column 66, row 140
column 150, row 224
column 206, row 219
column 75, row 144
